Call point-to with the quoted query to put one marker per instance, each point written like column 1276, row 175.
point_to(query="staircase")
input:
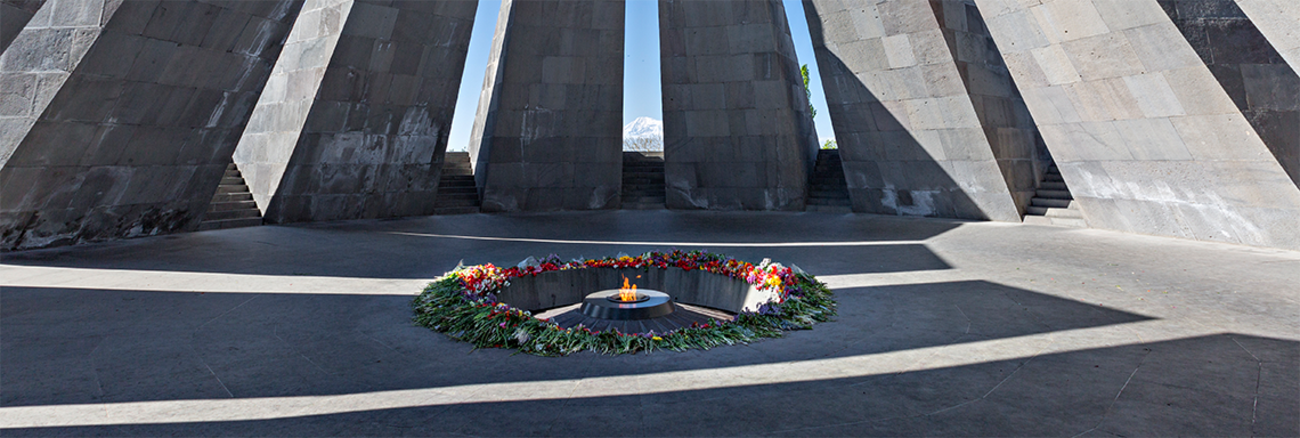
column 1052, row 203
column 827, row 190
column 457, row 192
column 232, row 206
column 643, row 180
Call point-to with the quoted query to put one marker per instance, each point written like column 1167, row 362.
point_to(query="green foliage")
column 803, row 70
column 830, row 144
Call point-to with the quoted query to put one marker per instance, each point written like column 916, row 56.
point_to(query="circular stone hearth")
column 551, row 307
column 610, row 304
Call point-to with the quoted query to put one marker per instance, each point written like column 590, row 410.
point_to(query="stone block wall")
column 354, row 119
column 1145, row 136
column 1019, row 149
column 1259, row 81
column 134, row 110
column 548, row 134
column 910, row 136
column 47, row 44
column 14, row 15
column 1277, row 19
column 737, row 130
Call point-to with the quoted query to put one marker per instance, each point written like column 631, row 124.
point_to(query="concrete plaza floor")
column 946, row 328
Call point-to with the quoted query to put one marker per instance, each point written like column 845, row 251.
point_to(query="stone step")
column 233, row 214
column 232, row 197
column 1071, row 213
column 455, row 210
column 229, row 223
column 1052, row 194
column 457, row 189
column 1053, row 178
column 644, row 199
column 1043, row 202
column 232, row 188
column 828, row 185
column 456, row 201
column 232, row 166
column 232, row 205
column 829, row 208
column 843, row 196
column 640, row 205
column 1052, row 185
column 233, row 173
column 227, row 180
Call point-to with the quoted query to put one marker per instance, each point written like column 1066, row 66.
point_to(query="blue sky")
column 641, row 95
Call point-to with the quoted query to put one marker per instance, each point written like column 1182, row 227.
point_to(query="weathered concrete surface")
column 354, row 120
column 14, row 15
column 124, row 114
column 46, row 51
column 737, row 130
column 1265, row 89
column 910, row 135
column 1144, row 135
column 548, row 134
column 1277, row 19
column 945, row 329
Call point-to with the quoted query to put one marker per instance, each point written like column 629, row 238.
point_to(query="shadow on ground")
column 91, row 346
column 1219, row 385
column 427, row 247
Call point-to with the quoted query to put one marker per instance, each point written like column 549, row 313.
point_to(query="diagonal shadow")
column 76, row 346
column 428, row 247
column 1216, row 385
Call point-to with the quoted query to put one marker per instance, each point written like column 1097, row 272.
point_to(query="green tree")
column 803, row 70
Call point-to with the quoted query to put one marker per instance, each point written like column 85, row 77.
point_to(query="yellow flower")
column 657, row 338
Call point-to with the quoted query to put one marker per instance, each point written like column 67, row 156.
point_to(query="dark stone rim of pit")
column 640, row 297
column 601, row 305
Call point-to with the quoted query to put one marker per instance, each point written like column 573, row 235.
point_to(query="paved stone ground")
column 946, row 329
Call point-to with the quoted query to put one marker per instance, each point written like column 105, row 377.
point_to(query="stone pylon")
column 737, row 130
column 50, row 48
column 1147, row 139
column 119, row 118
column 927, row 120
column 1263, row 87
column 14, row 15
column 354, row 119
column 1277, row 20
column 548, row 133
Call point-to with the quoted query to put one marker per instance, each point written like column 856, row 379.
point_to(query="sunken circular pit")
column 620, row 304
column 624, row 304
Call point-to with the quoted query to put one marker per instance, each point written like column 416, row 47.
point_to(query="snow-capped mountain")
column 644, row 135
column 644, row 127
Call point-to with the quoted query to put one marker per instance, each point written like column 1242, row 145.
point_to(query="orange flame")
column 627, row 293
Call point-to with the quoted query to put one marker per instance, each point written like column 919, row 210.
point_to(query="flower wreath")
column 463, row 304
